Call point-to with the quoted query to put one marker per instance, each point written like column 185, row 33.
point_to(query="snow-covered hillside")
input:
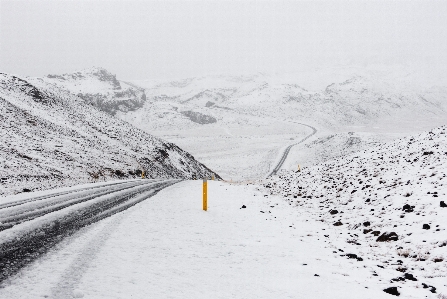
column 100, row 88
column 50, row 137
column 385, row 206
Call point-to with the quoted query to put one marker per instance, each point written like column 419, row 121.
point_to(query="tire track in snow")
column 27, row 241
column 14, row 215
column 28, row 200
column 287, row 150
column 69, row 280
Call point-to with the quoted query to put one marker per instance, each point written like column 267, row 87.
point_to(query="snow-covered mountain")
column 368, row 98
column 386, row 205
column 100, row 88
column 360, row 99
column 51, row 138
column 238, row 125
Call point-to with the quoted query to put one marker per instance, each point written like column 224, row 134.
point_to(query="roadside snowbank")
column 386, row 205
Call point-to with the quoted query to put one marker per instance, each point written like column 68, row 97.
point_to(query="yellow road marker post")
column 299, row 168
column 142, row 174
column 205, row 195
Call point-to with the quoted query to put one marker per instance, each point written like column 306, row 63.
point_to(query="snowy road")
column 287, row 150
column 167, row 247
column 29, row 227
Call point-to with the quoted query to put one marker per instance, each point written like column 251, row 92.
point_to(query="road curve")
column 30, row 227
column 287, row 150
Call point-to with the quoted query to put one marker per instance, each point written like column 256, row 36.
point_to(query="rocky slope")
column 52, row 138
column 100, row 88
column 385, row 207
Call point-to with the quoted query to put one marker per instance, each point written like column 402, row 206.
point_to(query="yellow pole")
column 212, row 177
column 142, row 174
column 205, row 195
column 299, row 168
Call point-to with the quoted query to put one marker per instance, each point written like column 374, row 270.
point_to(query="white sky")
column 164, row 39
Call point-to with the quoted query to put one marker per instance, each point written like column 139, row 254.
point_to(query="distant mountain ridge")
column 360, row 99
column 52, row 138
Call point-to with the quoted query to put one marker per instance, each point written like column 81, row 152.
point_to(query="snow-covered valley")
column 239, row 125
column 365, row 214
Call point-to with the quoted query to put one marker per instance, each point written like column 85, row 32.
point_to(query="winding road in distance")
column 287, row 150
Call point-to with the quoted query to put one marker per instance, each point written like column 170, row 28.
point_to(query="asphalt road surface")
column 30, row 227
column 287, row 150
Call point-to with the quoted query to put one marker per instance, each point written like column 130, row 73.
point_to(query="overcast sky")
column 172, row 39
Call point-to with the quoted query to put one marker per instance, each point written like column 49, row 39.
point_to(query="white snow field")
column 167, row 247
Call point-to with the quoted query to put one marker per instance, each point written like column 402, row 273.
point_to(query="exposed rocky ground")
column 100, row 88
column 199, row 118
column 385, row 207
column 51, row 138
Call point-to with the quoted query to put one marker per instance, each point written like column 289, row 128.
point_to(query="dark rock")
column 366, row 223
column 392, row 291
column 425, row 226
column 316, row 275
column 388, row 236
column 410, row 277
column 365, row 231
column 119, row 173
column 376, row 233
column 333, row 212
column 443, row 204
column 24, row 156
column 199, row 118
column 428, row 153
column 26, row 190
column 338, row 223
column 351, row 256
column 243, row 206
column 432, row 288
column 407, row 208
column 353, row 191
